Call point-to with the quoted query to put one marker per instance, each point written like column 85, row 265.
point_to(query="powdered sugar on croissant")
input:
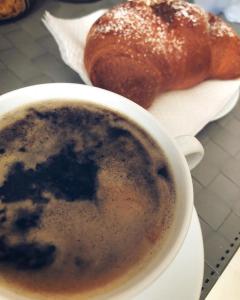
column 144, row 47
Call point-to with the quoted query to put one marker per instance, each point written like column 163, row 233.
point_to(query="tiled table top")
column 29, row 55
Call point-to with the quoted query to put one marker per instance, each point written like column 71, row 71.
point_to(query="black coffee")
column 84, row 197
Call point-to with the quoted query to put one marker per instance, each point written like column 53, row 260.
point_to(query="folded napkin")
column 183, row 112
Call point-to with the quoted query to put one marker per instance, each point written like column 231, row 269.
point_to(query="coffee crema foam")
column 85, row 196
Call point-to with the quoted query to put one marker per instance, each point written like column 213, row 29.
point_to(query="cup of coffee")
column 95, row 197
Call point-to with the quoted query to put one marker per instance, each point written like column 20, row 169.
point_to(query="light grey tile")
column 237, row 156
column 215, row 154
column 19, row 64
column 236, row 111
column 211, row 208
column 216, row 252
column 225, row 120
column 233, row 126
column 9, row 82
column 25, row 44
column 205, row 172
column 231, row 169
column 225, row 140
column 207, row 231
column 236, row 208
column 226, row 190
column 230, row 229
column 197, row 187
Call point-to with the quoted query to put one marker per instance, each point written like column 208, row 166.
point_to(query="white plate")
column 228, row 107
column 183, row 279
column 182, row 112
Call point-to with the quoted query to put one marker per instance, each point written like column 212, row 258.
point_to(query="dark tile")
column 34, row 27
column 48, row 5
column 2, row 66
column 209, row 279
column 226, row 190
column 230, row 229
column 205, row 172
column 216, row 255
column 49, row 44
column 19, row 36
column 31, row 49
column 231, row 169
column 39, row 7
column 68, row 11
column 6, row 28
column 19, row 64
column 39, row 80
column 55, row 69
column 213, row 128
column 9, row 82
column 53, row 7
column 4, row 43
column 71, row 10
column 211, row 208
column 25, row 44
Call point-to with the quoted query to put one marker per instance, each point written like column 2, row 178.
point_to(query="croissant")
column 142, row 48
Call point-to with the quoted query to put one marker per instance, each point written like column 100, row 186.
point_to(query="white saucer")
column 183, row 279
column 228, row 107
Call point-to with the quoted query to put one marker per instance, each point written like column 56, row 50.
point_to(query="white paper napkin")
column 183, row 112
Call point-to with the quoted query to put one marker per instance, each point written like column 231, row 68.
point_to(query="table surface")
column 29, row 55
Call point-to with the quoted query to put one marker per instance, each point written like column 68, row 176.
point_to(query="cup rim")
column 122, row 105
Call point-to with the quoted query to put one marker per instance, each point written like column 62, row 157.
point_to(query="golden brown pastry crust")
column 11, row 8
column 141, row 48
column 225, row 48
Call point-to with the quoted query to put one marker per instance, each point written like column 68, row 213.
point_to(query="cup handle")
column 191, row 148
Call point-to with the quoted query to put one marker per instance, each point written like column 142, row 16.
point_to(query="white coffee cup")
column 173, row 150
